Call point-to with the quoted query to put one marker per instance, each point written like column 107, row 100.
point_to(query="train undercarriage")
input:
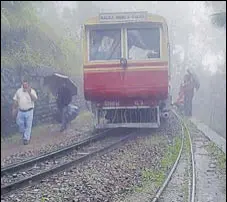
column 129, row 116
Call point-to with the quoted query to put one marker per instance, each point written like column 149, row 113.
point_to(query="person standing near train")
column 23, row 108
column 64, row 98
column 180, row 99
column 190, row 83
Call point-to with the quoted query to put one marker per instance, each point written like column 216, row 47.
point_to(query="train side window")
column 105, row 44
column 143, row 43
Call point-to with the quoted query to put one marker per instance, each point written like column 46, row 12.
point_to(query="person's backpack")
column 72, row 112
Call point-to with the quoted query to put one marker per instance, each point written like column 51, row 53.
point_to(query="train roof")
column 125, row 17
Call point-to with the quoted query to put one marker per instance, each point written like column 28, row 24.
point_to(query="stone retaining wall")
column 45, row 107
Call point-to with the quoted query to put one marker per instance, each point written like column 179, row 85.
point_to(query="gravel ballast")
column 108, row 177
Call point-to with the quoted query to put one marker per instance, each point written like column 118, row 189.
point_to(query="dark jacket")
column 64, row 97
column 188, row 86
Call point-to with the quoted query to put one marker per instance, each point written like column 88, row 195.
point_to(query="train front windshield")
column 143, row 43
column 105, row 44
column 139, row 43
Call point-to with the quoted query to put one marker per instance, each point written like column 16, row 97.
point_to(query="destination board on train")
column 122, row 17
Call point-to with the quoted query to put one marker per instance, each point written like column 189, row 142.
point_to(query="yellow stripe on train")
column 120, row 69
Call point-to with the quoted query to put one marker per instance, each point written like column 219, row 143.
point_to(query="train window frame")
column 89, row 29
column 141, row 26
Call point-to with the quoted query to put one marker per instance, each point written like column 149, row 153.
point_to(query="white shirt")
column 136, row 53
column 23, row 99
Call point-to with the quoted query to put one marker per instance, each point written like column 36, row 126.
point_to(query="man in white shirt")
column 23, row 106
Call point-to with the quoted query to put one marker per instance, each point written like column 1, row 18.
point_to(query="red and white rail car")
column 126, row 69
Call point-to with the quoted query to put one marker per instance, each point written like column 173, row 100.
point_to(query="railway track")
column 25, row 163
column 191, row 188
column 25, row 173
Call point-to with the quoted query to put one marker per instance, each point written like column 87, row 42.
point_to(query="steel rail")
column 167, row 180
column 193, row 164
column 161, row 189
column 26, row 163
column 38, row 177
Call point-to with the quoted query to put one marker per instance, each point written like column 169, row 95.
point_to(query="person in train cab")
column 190, row 83
column 23, row 108
column 64, row 98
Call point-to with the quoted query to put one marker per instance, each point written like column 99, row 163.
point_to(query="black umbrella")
column 56, row 80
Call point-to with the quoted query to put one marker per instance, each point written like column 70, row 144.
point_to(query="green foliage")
column 219, row 19
column 28, row 38
column 218, row 155
column 43, row 199
column 19, row 14
column 171, row 154
column 157, row 177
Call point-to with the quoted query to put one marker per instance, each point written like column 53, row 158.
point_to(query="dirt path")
column 210, row 177
column 44, row 139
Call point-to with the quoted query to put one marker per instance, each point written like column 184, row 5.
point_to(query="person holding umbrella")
column 64, row 98
column 62, row 86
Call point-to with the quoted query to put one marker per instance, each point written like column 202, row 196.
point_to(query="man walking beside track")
column 23, row 108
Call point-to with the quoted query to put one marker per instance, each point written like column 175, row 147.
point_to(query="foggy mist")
column 102, row 105
column 194, row 43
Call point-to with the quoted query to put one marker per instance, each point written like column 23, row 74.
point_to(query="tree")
column 218, row 9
